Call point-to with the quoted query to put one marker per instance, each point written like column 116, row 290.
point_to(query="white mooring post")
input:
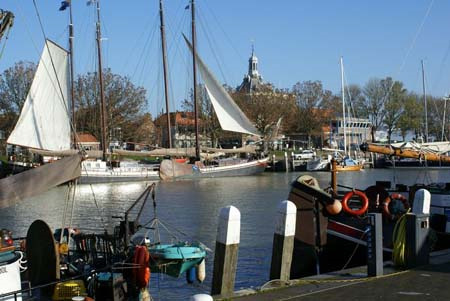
column 283, row 241
column 226, row 253
column 201, row 297
column 422, row 201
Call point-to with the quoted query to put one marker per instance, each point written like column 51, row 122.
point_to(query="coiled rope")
column 399, row 239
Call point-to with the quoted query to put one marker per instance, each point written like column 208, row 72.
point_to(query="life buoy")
column 362, row 197
column 387, row 201
column 142, row 270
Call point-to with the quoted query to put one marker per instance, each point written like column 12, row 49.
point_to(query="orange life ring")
column 142, row 271
column 362, row 196
column 387, row 201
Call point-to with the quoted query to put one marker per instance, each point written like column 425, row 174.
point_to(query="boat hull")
column 174, row 260
column 348, row 168
column 170, row 169
column 111, row 178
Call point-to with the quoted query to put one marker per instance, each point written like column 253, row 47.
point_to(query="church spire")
column 253, row 64
column 252, row 80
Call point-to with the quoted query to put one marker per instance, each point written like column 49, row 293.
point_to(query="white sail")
column 439, row 147
column 44, row 120
column 231, row 117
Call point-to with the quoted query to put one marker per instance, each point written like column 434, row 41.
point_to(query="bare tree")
column 15, row 82
column 375, row 92
column 125, row 103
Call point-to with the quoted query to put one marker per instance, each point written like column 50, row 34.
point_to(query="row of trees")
column 126, row 103
column 305, row 108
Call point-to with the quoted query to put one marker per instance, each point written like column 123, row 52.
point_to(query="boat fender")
column 191, row 275
column 201, row 271
column 387, row 201
column 142, row 271
column 334, row 208
column 363, row 198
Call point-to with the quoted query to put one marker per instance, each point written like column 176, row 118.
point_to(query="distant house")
column 182, row 129
column 357, row 130
column 88, row 141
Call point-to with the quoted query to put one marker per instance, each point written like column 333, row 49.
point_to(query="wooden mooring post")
column 226, row 253
column 286, row 161
column 334, row 176
column 283, row 241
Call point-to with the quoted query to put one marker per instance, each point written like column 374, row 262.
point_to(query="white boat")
column 99, row 172
column 319, row 164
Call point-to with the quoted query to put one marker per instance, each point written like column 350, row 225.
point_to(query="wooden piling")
column 334, row 176
column 286, row 162
column 226, row 253
column 283, row 241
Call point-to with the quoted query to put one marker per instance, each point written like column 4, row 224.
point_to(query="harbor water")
column 192, row 207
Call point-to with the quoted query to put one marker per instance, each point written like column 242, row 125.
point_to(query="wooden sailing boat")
column 437, row 153
column 41, row 128
column 101, row 171
column 347, row 163
column 231, row 118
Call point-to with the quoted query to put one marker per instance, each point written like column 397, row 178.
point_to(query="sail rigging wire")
column 419, row 30
column 223, row 31
column 66, row 207
column 209, row 37
column 74, row 186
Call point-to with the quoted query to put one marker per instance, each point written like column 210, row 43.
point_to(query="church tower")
column 252, row 80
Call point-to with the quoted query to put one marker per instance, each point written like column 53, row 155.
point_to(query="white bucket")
column 10, row 276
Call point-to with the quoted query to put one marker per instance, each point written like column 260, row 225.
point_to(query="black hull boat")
column 330, row 239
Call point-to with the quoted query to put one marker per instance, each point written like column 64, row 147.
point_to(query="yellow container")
column 68, row 289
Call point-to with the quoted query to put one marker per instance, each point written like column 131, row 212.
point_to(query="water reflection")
column 193, row 207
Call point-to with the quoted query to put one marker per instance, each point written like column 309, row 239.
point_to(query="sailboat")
column 347, row 163
column 413, row 154
column 231, row 118
column 44, row 125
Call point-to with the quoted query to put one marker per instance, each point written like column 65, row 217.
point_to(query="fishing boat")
column 331, row 225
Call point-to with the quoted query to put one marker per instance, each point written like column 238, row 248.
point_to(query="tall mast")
column 100, row 76
column 72, row 88
column 164, row 57
column 425, row 103
column 197, row 145
column 343, row 106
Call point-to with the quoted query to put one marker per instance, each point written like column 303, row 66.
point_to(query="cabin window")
column 97, row 165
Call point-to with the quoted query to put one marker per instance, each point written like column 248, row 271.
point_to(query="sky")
column 294, row 40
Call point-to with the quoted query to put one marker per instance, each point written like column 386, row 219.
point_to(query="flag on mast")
column 64, row 5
